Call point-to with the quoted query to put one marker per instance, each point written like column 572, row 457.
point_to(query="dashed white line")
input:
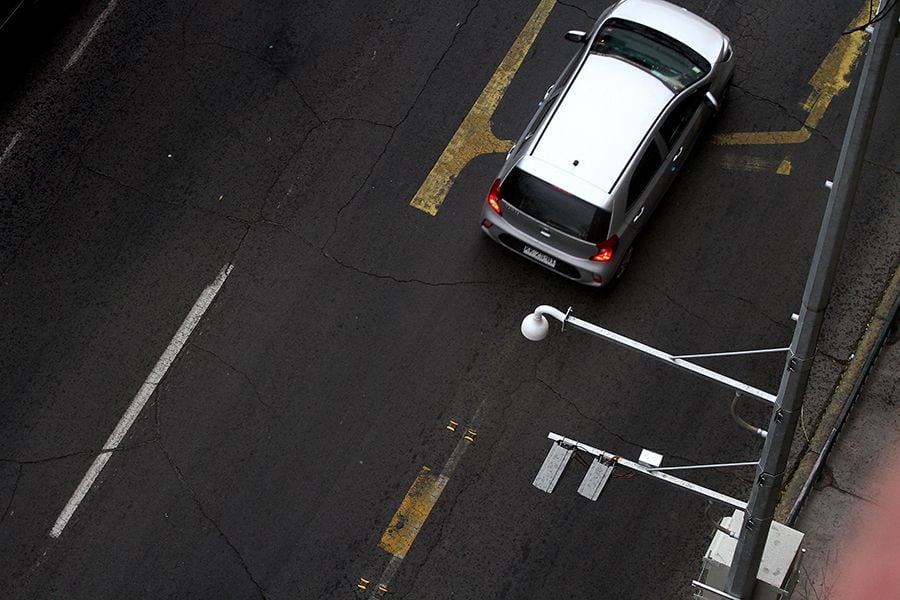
column 90, row 34
column 9, row 147
column 137, row 404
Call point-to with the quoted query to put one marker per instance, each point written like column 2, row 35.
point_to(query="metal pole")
column 770, row 473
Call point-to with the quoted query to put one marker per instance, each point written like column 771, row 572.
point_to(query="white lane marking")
column 156, row 375
column 9, row 148
column 90, row 34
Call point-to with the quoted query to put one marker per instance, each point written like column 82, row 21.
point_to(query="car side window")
column 646, row 168
column 679, row 118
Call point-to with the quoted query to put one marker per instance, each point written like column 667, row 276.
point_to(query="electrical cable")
column 879, row 16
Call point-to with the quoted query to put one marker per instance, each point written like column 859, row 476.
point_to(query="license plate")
column 539, row 256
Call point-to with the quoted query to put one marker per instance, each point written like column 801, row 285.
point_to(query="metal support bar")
column 735, row 353
column 716, row 466
column 711, row 589
column 639, row 468
column 734, row 384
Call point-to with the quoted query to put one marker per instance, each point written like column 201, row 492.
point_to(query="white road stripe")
column 155, row 377
column 9, row 148
column 90, row 34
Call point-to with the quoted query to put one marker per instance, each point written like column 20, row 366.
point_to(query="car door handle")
column 638, row 216
column 678, row 154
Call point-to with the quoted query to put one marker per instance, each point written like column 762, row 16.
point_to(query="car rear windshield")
column 665, row 58
column 555, row 207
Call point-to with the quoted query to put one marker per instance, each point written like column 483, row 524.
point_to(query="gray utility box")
column 778, row 569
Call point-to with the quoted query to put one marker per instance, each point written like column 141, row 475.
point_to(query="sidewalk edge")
column 849, row 376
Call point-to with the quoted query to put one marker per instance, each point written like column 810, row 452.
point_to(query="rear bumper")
column 573, row 268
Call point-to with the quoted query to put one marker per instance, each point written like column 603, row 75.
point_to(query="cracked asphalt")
column 288, row 140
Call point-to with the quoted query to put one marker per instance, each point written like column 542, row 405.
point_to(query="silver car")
column 608, row 138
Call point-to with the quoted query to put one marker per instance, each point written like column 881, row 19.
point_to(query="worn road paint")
column 833, row 75
column 474, row 136
column 762, row 138
column 784, row 168
column 754, row 164
column 90, row 35
column 137, row 404
column 414, row 510
column 830, row 79
column 10, row 147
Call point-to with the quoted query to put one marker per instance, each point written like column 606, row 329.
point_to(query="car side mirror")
column 576, row 36
column 712, row 100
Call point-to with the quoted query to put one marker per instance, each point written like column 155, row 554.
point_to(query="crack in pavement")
column 411, row 280
column 781, row 324
column 12, row 495
column 840, row 361
column 181, row 478
column 321, row 122
column 244, row 375
column 393, row 128
column 578, row 8
column 888, row 168
column 834, row 485
column 785, row 110
column 677, row 304
column 79, row 453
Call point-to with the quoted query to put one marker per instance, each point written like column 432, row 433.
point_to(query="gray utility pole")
column 770, row 472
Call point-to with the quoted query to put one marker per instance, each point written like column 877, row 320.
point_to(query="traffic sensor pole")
column 770, row 472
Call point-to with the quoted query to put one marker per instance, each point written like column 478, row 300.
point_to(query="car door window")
column 673, row 126
column 646, row 168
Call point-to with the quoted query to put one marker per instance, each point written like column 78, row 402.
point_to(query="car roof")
column 599, row 123
column 699, row 34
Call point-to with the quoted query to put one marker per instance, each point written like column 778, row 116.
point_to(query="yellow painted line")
column 474, row 136
column 833, row 75
column 752, row 164
column 412, row 513
column 830, row 79
column 762, row 138
column 784, row 168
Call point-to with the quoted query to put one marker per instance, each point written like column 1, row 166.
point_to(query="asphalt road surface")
column 149, row 148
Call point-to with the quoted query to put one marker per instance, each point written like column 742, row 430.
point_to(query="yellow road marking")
column 762, row 138
column 784, row 168
column 412, row 513
column 753, row 164
column 830, row 79
column 474, row 136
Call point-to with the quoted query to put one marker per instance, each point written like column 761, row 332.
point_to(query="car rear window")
column 667, row 59
column 555, row 207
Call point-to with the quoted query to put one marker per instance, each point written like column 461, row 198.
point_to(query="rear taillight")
column 606, row 250
column 493, row 198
